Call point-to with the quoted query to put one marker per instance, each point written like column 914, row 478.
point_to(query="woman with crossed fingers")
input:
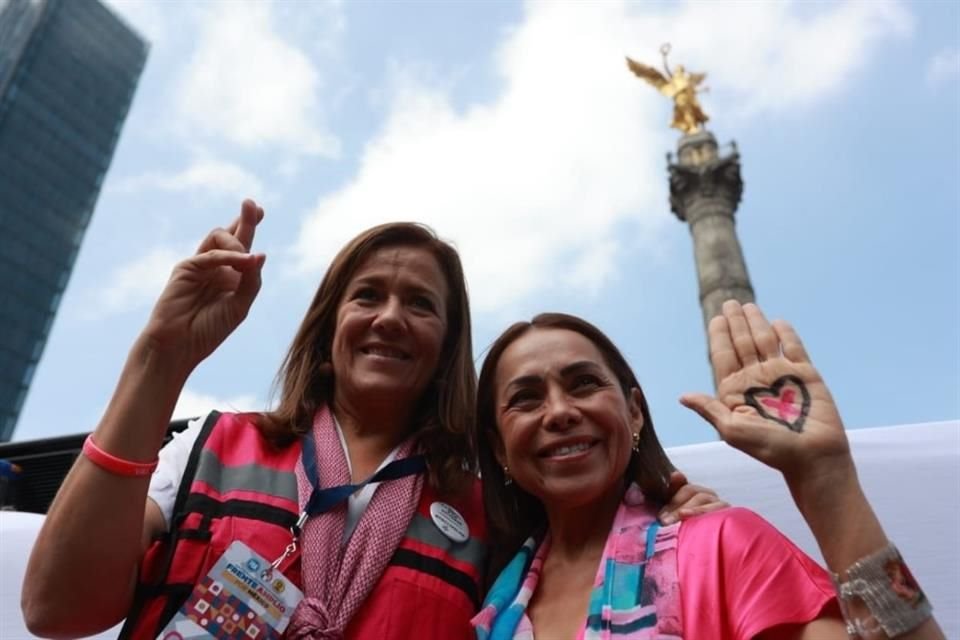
column 378, row 384
column 564, row 429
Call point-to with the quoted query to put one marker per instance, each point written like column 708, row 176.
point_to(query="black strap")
column 438, row 569
column 179, row 510
column 323, row 500
column 144, row 592
column 213, row 509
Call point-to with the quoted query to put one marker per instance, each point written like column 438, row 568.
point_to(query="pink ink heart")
column 787, row 402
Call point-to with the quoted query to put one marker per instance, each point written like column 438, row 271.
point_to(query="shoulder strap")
column 145, row 592
column 191, row 469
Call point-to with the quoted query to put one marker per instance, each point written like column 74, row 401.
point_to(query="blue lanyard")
column 323, row 500
column 644, row 597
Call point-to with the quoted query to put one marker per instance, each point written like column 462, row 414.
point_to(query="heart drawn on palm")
column 787, row 402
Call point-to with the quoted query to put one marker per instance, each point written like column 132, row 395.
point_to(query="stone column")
column 705, row 189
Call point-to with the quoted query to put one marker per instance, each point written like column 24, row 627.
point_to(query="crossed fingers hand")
column 238, row 236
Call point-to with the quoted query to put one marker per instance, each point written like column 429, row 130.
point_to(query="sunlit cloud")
column 210, row 176
column 247, row 85
column 135, row 284
column 542, row 187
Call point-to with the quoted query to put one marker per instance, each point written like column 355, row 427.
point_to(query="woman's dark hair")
column 445, row 416
column 512, row 513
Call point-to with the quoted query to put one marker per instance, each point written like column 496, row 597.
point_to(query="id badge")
column 242, row 598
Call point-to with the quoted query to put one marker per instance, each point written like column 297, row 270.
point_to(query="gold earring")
column 636, row 442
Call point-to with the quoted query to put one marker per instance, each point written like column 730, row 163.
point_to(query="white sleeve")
column 165, row 481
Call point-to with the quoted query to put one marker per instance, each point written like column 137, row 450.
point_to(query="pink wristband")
column 113, row 464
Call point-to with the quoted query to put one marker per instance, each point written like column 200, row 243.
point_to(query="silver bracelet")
column 885, row 585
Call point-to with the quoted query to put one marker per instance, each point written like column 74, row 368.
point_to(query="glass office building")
column 68, row 72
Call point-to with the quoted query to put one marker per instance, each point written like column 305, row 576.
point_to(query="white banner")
column 911, row 475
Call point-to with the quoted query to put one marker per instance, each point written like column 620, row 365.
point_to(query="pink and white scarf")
column 337, row 578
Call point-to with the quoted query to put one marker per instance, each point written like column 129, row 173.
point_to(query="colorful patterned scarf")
column 337, row 578
column 636, row 593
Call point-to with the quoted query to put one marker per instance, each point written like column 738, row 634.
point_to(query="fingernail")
column 668, row 518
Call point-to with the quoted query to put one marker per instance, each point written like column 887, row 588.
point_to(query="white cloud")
column 247, row 85
column 135, row 284
column 192, row 404
column 318, row 26
column 545, row 184
column 289, row 168
column 777, row 56
column 944, row 66
column 210, row 176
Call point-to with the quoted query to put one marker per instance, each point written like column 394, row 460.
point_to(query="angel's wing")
column 697, row 78
column 649, row 74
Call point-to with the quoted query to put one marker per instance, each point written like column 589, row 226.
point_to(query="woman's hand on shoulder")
column 209, row 294
column 771, row 402
column 688, row 500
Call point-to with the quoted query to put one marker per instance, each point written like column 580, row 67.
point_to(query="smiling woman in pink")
column 574, row 475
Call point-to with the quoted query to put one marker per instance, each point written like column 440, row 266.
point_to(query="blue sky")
column 517, row 132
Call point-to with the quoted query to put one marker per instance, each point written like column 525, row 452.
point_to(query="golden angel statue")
column 679, row 85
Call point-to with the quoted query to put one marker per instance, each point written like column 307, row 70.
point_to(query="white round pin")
column 449, row 521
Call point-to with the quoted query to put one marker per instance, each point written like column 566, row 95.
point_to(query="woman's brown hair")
column 512, row 513
column 445, row 416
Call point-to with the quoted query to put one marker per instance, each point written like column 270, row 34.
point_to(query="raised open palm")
column 209, row 294
column 771, row 402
